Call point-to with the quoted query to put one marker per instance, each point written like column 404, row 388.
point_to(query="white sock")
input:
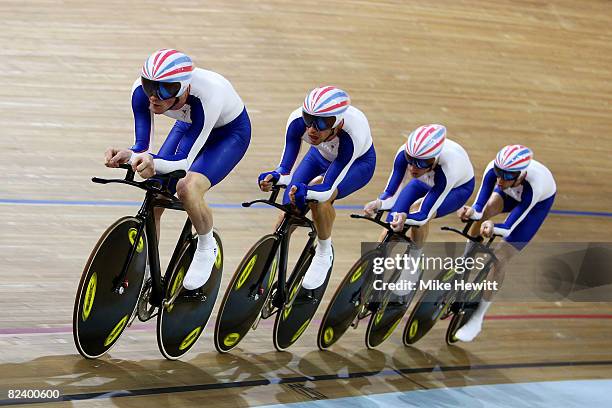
column 321, row 262
column 324, row 246
column 202, row 263
column 472, row 328
column 482, row 308
column 206, row 241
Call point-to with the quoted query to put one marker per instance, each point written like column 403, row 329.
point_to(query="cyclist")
column 513, row 182
column 432, row 176
column 341, row 151
column 211, row 135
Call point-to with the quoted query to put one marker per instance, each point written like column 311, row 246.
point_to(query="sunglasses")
column 419, row 163
column 506, row 175
column 318, row 122
column 162, row 90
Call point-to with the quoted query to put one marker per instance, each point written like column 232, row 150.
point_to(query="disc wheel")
column 101, row 315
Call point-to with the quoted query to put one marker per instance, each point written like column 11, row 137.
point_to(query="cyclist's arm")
column 484, row 193
column 143, row 121
column 347, row 154
column 293, row 142
column 392, row 190
column 528, row 200
column 433, row 199
column 194, row 138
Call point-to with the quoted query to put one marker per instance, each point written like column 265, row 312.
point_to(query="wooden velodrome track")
column 494, row 72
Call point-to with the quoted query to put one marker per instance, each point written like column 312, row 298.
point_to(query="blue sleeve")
column 486, row 189
column 431, row 197
column 142, row 120
column 520, row 209
column 293, row 140
column 345, row 153
column 397, row 175
column 190, row 131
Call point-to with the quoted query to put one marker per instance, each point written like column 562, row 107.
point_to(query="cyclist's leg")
column 222, row 151
column 517, row 240
column 409, row 198
column 454, row 200
column 498, row 203
column 169, row 148
column 324, row 214
column 310, row 169
column 505, row 251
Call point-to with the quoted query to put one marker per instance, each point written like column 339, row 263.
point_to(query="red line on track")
column 68, row 329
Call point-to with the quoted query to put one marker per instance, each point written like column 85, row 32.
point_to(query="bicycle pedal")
column 124, row 285
column 373, row 306
column 255, row 295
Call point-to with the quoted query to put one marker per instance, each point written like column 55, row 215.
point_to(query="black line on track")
column 299, row 379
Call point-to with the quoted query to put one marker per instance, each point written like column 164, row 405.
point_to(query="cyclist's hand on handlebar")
column 399, row 219
column 113, row 157
column 297, row 195
column 486, row 229
column 465, row 213
column 144, row 165
column 267, row 180
column 372, row 207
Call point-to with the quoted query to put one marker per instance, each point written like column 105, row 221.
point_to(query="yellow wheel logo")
column 448, row 275
column 191, row 337
column 379, row 316
column 231, row 339
column 90, row 294
column 328, row 335
column 116, row 331
column 273, row 273
column 294, row 291
column 246, row 271
column 219, row 257
column 413, row 329
column 300, row 331
column 132, row 235
column 391, row 329
column 357, row 274
column 176, row 285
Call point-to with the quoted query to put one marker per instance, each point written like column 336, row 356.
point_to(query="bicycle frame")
column 283, row 232
column 154, row 189
column 479, row 247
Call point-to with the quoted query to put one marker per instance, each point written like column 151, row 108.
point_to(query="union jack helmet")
column 426, row 142
column 169, row 66
column 327, row 101
column 513, row 158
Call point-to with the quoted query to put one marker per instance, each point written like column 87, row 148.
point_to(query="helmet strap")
column 335, row 130
column 435, row 163
column 519, row 179
column 177, row 99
